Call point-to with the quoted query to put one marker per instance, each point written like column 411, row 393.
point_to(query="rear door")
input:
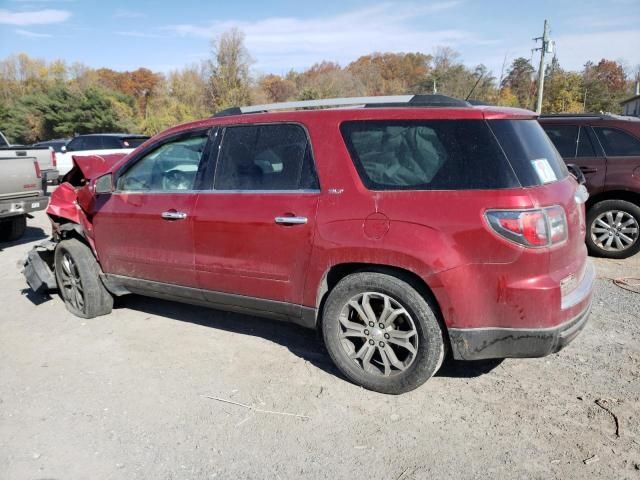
column 254, row 228
column 623, row 157
column 144, row 229
column 577, row 145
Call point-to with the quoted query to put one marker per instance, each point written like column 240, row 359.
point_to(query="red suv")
column 401, row 228
column 607, row 150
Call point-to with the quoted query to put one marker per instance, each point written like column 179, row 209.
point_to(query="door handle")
column 173, row 215
column 588, row 169
column 291, row 220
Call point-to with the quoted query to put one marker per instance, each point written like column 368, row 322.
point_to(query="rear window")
column 427, row 155
column 530, row 152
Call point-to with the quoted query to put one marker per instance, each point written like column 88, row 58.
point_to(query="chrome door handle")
column 173, row 215
column 291, row 220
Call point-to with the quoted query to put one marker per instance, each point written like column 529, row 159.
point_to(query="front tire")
column 78, row 277
column 381, row 333
column 613, row 229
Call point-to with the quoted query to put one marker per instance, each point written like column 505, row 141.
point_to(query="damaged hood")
column 93, row 166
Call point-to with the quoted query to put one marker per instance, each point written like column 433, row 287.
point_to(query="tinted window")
column 171, row 167
column 91, row 143
column 111, row 143
column 133, row 142
column 265, row 157
column 427, row 155
column 585, row 147
column 529, row 151
column 564, row 137
column 617, row 143
column 76, row 144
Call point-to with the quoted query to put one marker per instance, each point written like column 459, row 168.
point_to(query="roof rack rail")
column 366, row 102
column 584, row 115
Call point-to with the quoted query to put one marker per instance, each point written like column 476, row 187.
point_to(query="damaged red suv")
column 400, row 227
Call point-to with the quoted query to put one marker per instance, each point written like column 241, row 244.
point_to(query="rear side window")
column 571, row 141
column 265, row 157
column 565, row 138
column 617, row 143
column 427, row 155
column 530, row 152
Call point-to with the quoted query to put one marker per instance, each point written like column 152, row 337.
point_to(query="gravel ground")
column 125, row 397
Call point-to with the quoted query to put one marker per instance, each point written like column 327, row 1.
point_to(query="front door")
column 254, row 229
column 144, row 229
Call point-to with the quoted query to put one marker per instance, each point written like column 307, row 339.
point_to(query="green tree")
column 519, row 80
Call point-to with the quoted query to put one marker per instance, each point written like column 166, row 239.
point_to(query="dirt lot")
column 125, row 396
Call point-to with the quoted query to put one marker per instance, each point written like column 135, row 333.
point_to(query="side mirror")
column 104, row 184
column 63, row 149
column 577, row 173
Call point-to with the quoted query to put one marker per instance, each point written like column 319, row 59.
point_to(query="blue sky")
column 164, row 35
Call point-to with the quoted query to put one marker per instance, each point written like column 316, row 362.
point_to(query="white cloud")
column 280, row 43
column 29, row 34
column 575, row 50
column 35, row 17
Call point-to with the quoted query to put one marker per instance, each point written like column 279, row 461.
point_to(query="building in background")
column 631, row 106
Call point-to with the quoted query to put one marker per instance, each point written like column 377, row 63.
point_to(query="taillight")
column 531, row 228
column 37, row 167
column 54, row 161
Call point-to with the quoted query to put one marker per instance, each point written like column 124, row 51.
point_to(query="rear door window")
column 111, row 143
column 617, row 143
column 265, row 157
column 134, row 142
column 530, row 152
column 92, row 143
column 427, row 155
column 585, row 146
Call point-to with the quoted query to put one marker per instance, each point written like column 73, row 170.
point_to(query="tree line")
column 41, row 100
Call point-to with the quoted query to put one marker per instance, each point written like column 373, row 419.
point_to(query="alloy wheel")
column 378, row 334
column 614, row 230
column 72, row 289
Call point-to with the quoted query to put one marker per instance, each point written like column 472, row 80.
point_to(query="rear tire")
column 78, row 277
column 617, row 217
column 395, row 359
column 13, row 228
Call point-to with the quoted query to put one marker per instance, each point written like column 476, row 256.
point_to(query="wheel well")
column 632, row 197
column 338, row 272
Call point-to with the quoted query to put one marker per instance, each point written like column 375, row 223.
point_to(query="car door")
column 576, row 145
column 144, row 229
column 622, row 150
column 254, row 228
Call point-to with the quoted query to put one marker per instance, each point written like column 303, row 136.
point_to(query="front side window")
column 172, row 166
column 111, row 143
column 617, row 143
column 93, row 143
column 265, row 157
column 427, row 155
column 76, row 144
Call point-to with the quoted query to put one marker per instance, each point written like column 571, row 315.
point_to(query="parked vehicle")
column 21, row 192
column 398, row 229
column 44, row 155
column 97, row 144
column 56, row 144
column 607, row 150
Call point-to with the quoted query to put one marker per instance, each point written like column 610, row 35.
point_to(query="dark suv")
column 607, row 150
column 401, row 228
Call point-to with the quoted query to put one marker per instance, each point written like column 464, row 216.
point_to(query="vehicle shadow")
column 31, row 234
column 302, row 342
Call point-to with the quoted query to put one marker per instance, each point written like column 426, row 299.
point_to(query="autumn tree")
column 605, row 84
column 519, row 80
column 229, row 81
column 276, row 88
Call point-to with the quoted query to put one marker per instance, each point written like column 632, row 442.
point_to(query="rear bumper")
column 483, row 343
column 20, row 206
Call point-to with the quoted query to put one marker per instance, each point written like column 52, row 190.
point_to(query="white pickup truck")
column 45, row 156
column 21, row 191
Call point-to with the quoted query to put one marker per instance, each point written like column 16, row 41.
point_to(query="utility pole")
column 543, row 49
